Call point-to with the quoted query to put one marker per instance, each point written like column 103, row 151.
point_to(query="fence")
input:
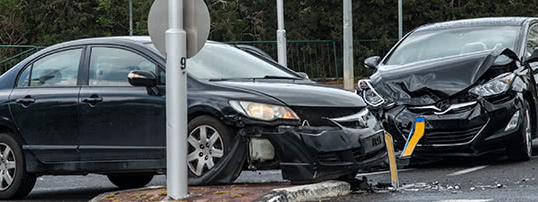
column 10, row 55
column 323, row 59
column 320, row 59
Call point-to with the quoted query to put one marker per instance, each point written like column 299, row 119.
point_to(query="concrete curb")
column 102, row 196
column 311, row 192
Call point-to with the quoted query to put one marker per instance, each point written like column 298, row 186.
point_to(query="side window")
column 110, row 66
column 58, row 69
column 24, row 78
column 532, row 40
column 162, row 77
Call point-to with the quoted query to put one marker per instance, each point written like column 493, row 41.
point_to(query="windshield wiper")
column 281, row 77
column 228, row 79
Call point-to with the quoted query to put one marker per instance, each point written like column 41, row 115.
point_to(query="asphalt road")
column 491, row 178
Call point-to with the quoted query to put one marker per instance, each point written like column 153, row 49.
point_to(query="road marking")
column 467, row 200
column 382, row 172
column 461, row 172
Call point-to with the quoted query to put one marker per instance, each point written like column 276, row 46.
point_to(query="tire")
column 523, row 152
column 129, row 180
column 207, row 157
column 22, row 182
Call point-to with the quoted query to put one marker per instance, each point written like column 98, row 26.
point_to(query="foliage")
column 52, row 21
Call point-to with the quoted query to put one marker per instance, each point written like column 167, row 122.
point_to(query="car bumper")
column 472, row 131
column 313, row 154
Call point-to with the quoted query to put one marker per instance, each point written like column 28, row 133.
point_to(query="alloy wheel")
column 205, row 149
column 7, row 166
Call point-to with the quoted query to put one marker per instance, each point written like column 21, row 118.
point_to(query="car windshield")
column 223, row 62
column 427, row 45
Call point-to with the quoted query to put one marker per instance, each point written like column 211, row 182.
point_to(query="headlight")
column 498, row 85
column 368, row 93
column 266, row 112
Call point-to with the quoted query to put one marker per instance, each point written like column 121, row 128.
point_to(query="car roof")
column 491, row 21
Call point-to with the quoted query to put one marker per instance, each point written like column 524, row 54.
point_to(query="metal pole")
column 176, row 103
column 400, row 19
column 130, row 17
column 348, row 46
column 281, row 35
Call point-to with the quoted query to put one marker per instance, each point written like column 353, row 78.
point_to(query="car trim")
column 452, row 107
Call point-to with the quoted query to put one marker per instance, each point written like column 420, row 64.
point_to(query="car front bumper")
column 313, row 154
column 472, row 131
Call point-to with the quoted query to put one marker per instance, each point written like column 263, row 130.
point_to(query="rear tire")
column 130, row 181
column 523, row 152
column 12, row 166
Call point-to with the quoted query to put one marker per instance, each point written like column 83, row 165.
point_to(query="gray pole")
column 176, row 101
column 400, row 19
column 348, row 46
column 281, row 35
column 130, row 17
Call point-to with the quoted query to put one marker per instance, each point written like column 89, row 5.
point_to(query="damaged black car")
column 98, row 106
column 472, row 80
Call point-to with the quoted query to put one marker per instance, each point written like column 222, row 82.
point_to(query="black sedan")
column 98, row 106
column 472, row 80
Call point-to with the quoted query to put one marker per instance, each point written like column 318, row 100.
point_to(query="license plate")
column 372, row 143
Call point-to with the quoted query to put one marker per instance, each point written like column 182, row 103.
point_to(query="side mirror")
column 533, row 58
column 372, row 62
column 303, row 75
column 142, row 78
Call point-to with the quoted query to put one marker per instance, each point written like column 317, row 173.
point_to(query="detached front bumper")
column 312, row 154
column 469, row 131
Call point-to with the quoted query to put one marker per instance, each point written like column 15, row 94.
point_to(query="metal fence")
column 10, row 55
column 323, row 59
column 320, row 59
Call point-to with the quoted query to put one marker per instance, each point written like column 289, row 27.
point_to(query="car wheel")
column 209, row 142
column 130, row 180
column 15, row 182
column 523, row 152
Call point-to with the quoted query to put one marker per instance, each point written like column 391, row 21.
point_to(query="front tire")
column 210, row 146
column 15, row 182
column 523, row 152
column 130, row 181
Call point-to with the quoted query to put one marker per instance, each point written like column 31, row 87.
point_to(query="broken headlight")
column 496, row 86
column 368, row 93
column 266, row 112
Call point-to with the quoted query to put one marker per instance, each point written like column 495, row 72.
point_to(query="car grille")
column 359, row 157
column 441, row 137
column 317, row 116
column 338, row 157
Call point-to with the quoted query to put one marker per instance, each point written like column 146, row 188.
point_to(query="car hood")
column 300, row 94
column 429, row 82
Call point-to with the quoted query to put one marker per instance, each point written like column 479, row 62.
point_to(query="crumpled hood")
column 429, row 82
column 293, row 94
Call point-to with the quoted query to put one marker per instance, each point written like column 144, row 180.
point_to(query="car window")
column 110, row 66
column 532, row 40
column 58, row 69
column 428, row 45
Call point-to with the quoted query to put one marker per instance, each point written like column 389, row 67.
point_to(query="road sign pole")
column 281, row 35
column 400, row 19
column 176, row 103
column 348, row 46
column 131, row 18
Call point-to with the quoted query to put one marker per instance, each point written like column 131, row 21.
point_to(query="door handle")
column 27, row 100
column 93, row 100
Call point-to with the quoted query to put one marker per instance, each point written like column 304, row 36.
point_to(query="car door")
column 119, row 121
column 44, row 105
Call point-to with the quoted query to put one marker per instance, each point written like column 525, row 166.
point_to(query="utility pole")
column 130, row 17
column 348, row 46
column 176, row 102
column 281, row 35
column 400, row 19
